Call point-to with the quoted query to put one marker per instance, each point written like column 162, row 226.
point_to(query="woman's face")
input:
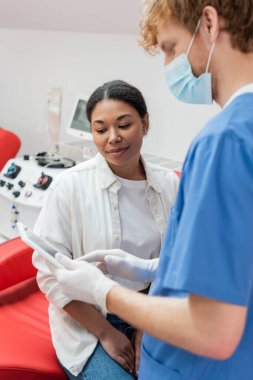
column 118, row 131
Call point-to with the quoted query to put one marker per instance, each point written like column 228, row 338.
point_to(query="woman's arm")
column 115, row 343
column 88, row 317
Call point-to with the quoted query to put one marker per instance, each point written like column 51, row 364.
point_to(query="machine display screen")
column 79, row 125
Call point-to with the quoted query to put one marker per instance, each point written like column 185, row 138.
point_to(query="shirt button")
column 115, row 207
column 116, row 237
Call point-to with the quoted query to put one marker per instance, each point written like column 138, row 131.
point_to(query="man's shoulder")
column 234, row 122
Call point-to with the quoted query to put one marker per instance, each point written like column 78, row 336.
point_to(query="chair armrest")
column 15, row 263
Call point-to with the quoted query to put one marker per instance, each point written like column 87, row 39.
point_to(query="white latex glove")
column 82, row 281
column 122, row 264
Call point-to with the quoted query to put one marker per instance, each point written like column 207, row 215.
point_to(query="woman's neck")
column 134, row 172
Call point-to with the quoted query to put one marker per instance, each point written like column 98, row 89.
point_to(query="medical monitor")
column 78, row 125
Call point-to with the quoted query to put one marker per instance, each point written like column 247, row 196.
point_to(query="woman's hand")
column 119, row 348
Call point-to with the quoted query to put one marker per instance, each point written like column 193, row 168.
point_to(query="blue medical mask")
column 183, row 84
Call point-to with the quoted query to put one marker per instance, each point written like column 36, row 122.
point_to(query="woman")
column 115, row 200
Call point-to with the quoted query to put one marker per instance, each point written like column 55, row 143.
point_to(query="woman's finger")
column 125, row 363
column 128, row 354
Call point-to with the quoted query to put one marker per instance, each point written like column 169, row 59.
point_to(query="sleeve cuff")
column 102, row 289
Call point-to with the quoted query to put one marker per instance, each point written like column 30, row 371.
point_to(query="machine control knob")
column 9, row 185
column 21, row 183
column 12, row 171
column 2, row 183
column 43, row 182
column 16, row 194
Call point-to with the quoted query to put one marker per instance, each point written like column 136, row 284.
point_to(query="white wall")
column 32, row 62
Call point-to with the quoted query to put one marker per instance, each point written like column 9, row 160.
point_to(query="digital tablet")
column 40, row 245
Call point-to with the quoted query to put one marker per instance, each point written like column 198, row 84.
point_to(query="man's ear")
column 145, row 123
column 210, row 23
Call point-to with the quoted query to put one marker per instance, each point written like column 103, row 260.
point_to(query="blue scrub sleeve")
column 213, row 248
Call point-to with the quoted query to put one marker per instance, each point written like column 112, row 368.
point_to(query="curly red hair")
column 237, row 15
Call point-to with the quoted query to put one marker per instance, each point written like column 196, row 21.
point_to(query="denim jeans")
column 100, row 365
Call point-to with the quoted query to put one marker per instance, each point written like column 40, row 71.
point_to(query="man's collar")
column 241, row 91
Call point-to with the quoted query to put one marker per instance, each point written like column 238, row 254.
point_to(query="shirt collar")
column 241, row 91
column 151, row 178
column 106, row 177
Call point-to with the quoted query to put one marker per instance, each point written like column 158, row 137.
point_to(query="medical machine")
column 79, row 125
column 24, row 182
column 23, row 188
column 82, row 147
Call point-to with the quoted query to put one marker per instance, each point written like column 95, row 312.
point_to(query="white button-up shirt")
column 81, row 214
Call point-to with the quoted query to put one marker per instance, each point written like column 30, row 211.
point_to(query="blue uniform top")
column 208, row 248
